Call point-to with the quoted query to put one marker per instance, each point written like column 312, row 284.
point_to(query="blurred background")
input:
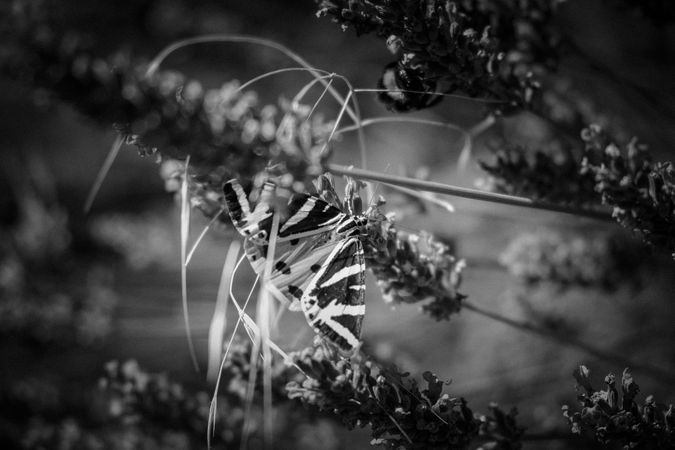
column 80, row 290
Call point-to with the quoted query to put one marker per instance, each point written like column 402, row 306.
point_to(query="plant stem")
column 431, row 186
column 654, row 372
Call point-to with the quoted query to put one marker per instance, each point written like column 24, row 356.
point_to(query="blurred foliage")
column 142, row 240
column 568, row 260
column 225, row 132
column 50, row 291
column 132, row 408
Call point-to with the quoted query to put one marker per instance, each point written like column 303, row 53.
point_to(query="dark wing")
column 308, row 215
column 334, row 300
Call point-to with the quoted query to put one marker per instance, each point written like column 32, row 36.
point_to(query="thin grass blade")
column 219, row 319
column 184, row 234
column 103, row 172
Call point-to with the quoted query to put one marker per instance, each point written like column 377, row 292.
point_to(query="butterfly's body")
column 319, row 265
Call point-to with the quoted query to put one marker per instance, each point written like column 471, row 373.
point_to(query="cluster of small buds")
column 641, row 192
column 413, row 267
column 400, row 413
column 604, row 262
column 500, row 429
column 539, row 175
column 493, row 50
column 617, row 419
column 283, row 143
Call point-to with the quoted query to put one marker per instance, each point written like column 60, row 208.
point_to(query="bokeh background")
column 106, row 285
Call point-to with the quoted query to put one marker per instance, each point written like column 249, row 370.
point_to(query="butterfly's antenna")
column 103, row 172
column 219, row 319
column 201, row 236
column 184, row 235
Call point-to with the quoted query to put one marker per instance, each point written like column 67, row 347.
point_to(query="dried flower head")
column 641, row 192
column 414, row 267
column 540, row 175
column 491, row 50
column 400, row 412
column 616, row 418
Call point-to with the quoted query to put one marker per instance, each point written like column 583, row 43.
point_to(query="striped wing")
column 334, row 300
column 322, row 276
column 309, row 215
column 254, row 224
column 294, row 265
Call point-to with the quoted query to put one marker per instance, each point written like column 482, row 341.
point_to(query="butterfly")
column 319, row 262
column 406, row 88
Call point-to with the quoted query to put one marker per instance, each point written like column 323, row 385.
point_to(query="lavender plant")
column 492, row 50
column 438, row 41
column 148, row 411
column 616, row 418
column 641, row 192
column 502, row 52
column 225, row 131
column 540, row 175
column 400, row 415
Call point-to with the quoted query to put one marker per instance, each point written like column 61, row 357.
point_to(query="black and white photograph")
column 337, row 224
